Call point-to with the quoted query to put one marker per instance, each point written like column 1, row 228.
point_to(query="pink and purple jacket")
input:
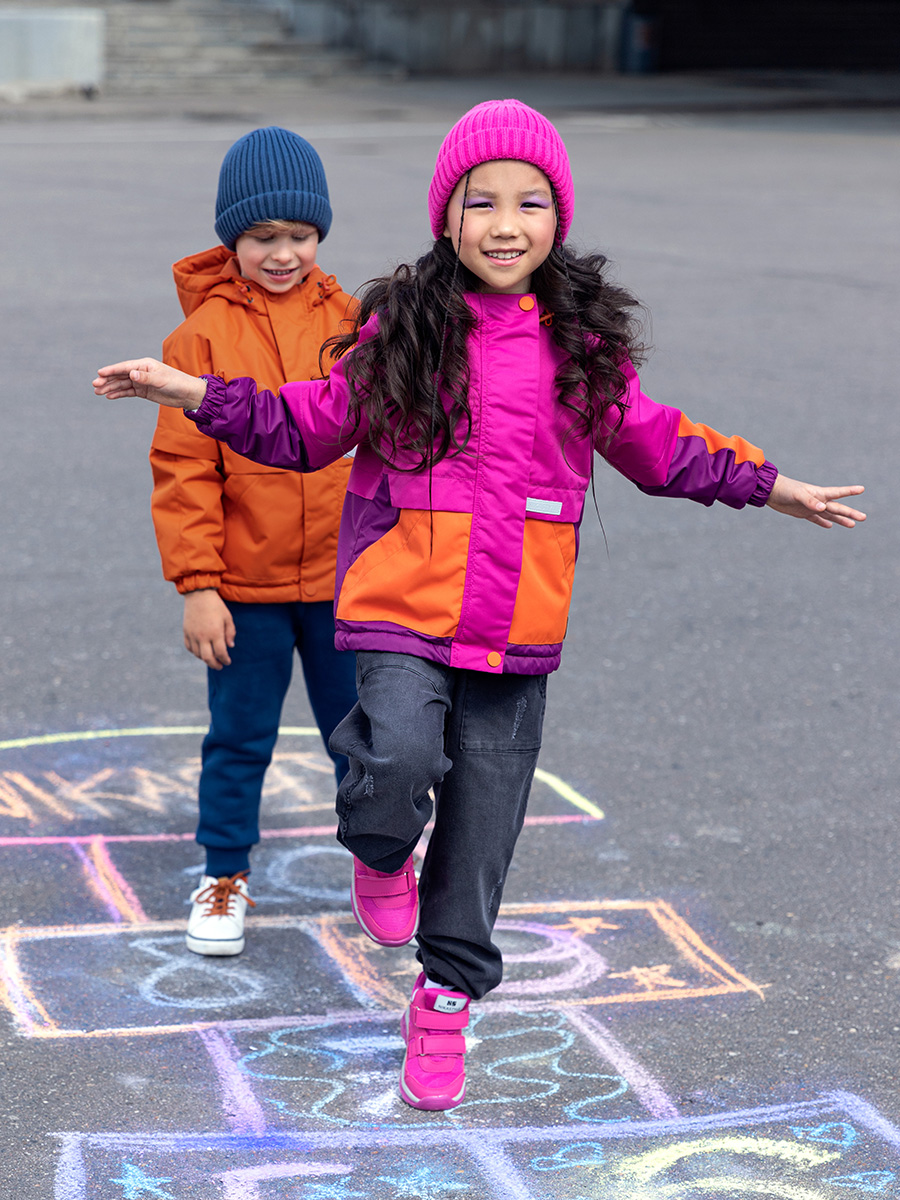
column 475, row 568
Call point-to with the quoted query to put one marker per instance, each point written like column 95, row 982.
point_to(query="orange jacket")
column 255, row 533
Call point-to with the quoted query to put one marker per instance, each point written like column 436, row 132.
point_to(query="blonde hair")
column 279, row 225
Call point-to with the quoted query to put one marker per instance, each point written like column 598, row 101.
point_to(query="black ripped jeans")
column 474, row 739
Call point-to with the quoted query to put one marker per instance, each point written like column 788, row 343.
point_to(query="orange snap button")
column 494, row 659
column 526, row 303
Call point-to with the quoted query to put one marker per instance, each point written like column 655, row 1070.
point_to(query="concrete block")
column 50, row 49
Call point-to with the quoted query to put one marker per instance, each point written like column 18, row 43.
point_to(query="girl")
column 475, row 386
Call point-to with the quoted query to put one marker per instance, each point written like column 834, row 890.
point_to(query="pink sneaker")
column 434, row 1069
column 386, row 906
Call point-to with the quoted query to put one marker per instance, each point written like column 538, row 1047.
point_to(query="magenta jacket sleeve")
column 666, row 454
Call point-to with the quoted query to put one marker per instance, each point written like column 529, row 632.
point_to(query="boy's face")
column 509, row 224
column 277, row 258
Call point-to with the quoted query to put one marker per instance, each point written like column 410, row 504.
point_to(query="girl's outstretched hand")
column 151, row 380
column 813, row 503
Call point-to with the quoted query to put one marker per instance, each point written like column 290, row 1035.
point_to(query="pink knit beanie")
column 500, row 129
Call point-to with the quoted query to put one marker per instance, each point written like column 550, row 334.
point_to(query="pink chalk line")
column 111, row 874
column 484, row 1144
column 241, row 1183
column 265, row 834
column 245, row 1115
column 647, row 1090
column 243, row 1112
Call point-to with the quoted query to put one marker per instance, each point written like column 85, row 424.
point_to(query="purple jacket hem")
column 518, row 660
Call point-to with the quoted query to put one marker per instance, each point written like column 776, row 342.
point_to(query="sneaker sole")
column 214, row 949
column 379, row 941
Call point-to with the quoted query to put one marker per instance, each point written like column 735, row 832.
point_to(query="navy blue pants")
column 471, row 737
column 245, row 702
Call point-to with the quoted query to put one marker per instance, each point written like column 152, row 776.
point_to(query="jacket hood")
column 215, row 272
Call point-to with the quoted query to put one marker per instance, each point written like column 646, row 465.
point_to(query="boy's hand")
column 208, row 627
column 813, row 503
column 151, row 380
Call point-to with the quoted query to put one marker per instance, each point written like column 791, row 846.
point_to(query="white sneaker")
column 216, row 923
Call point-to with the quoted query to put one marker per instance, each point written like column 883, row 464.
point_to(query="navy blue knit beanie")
column 268, row 175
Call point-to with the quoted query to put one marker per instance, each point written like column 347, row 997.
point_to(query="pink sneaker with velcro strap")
column 386, row 906
column 434, row 1069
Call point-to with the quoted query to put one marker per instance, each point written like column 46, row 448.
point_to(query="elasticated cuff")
column 765, row 481
column 212, row 402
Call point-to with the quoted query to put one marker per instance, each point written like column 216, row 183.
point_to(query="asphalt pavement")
column 701, row 926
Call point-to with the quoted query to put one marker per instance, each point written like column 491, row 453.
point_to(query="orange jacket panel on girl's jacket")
column 257, row 534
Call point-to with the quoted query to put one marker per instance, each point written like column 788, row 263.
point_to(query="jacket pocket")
column 545, row 584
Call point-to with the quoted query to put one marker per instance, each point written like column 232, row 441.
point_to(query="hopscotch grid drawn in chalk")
column 553, row 963
column 15, row 805
column 611, row 1130
column 331, row 1074
column 746, row 1152
column 299, row 831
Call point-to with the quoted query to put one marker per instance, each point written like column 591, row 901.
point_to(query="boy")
column 252, row 549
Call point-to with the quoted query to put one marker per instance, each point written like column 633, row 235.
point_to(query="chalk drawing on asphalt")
column 308, row 1099
column 297, row 781
column 137, row 977
column 757, row 1152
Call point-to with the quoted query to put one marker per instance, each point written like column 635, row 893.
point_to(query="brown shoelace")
column 218, row 896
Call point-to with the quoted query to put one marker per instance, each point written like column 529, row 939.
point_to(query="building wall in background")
column 471, row 36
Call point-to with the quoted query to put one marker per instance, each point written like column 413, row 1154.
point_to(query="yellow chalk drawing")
column 651, row 979
column 111, row 886
column 16, row 993
column 364, row 967
column 568, row 793
column 87, row 793
column 718, row 977
column 29, row 789
column 23, row 798
column 643, row 1167
column 729, row 1186
column 585, row 926
column 12, row 803
column 102, row 735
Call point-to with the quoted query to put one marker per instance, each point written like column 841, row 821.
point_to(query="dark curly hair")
column 423, row 324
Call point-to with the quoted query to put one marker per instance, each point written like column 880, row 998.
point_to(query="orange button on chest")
column 494, row 659
column 526, row 303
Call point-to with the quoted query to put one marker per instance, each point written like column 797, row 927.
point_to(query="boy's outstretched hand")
column 816, row 504
column 151, row 380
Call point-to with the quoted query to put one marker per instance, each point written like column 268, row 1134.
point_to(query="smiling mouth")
column 283, row 271
column 504, row 255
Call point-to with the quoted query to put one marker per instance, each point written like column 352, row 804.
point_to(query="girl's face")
column 509, row 223
column 277, row 257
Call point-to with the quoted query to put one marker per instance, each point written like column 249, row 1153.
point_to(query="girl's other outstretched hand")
column 150, row 380
column 816, row 504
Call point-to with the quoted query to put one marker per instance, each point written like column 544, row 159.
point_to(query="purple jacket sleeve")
column 665, row 454
column 301, row 427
